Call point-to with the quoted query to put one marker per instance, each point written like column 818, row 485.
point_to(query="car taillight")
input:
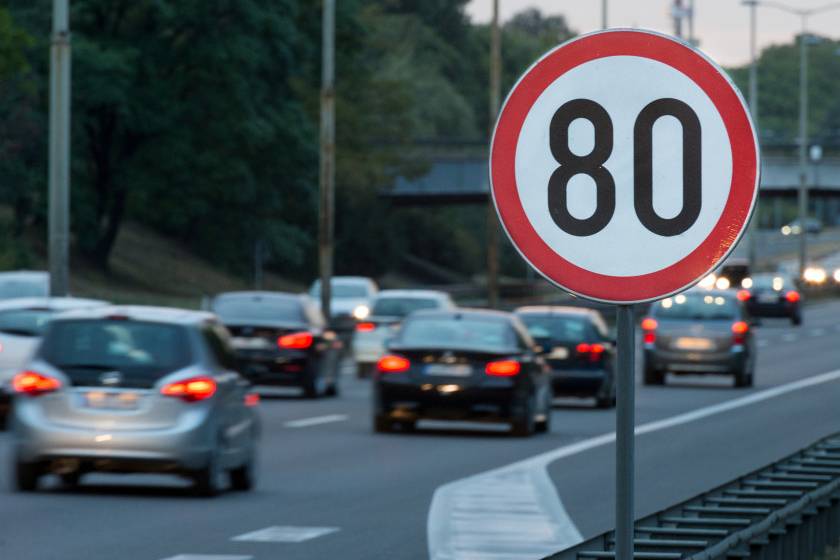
column 503, row 368
column 592, row 351
column 191, row 390
column 649, row 325
column 296, row 341
column 252, row 400
column 792, row 296
column 365, row 327
column 739, row 332
column 34, row 383
column 744, row 295
column 392, row 364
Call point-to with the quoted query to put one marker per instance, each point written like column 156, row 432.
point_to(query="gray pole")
column 59, row 163
column 691, row 38
column 492, row 225
column 751, row 248
column 603, row 14
column 677, row 14
column 625, row 426
column 803, row 142
column 327, row 172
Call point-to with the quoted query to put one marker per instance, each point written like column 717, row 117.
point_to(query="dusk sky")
column 722, row 26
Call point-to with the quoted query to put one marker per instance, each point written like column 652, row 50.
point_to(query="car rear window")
column 711, row 306
column 19, row 288
column 557, row 328
column 400, row 307
column 231, row 309
column 25, row 322
column 340, row 290
column 771, row 282
column 142, row 352
column 446, row 332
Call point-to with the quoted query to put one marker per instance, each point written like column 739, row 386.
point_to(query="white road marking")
column 305, row 422
column 762, row 343
column 790, row 337
column 817, row 332
column 208, row 557
column 515, row 512
column 286, row 534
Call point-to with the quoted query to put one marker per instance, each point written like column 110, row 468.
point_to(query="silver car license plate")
column 244, row 343
column 768, row 298
column 111, row 400
column 693, row 343
column 455, row 370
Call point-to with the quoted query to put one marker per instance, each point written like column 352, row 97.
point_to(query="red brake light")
column 365, row 327
column 594, row 351
column 739, row 331
column 503, row 368
column 792, row 296
column 191, row 390
column 392, row 364
column 252, row 399
column 744, row 295
column 296, row 341
column 649, row 325
column 34, row 383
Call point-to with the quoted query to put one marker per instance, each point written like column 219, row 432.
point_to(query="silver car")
column 134, row 389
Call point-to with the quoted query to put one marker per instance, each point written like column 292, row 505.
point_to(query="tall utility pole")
column 691, row 38
column 803, row 145
column 677, row 14
column 326, row 182
column 59, row 157
column 603, row 14
column 495, row 100
column 753, row 99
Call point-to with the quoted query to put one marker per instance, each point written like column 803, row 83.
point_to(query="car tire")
column 206, row 481
column 604, row 402
column 524, row 425
column 313, row 387
column 243, row 478
column 382, row 424
column 796, row 320
column 332, row 389
column 653, row 376
column 27, row 476
column 71, row 479
column 743, row 379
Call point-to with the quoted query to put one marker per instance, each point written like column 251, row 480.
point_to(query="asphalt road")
column 333, row 489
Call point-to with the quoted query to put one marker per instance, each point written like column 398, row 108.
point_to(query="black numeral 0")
column 643, row 167
column 592, row 165
column 571, row 165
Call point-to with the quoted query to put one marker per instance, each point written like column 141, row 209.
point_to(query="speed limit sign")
column 624, row 166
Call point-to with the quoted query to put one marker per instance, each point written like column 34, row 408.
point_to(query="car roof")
column 347, row 280
column 34, row 274
column 557, row 310
column 471, row 313
column 437, row 294
column 260, row 294
column 51, row 303
column 149, row 313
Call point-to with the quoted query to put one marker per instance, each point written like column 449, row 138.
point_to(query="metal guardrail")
column 789, row 510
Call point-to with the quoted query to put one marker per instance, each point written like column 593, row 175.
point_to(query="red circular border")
column 743, row 188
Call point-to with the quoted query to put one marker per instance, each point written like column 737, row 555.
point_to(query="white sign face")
column 624, row 166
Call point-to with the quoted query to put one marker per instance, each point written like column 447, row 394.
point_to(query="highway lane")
column 322, row 468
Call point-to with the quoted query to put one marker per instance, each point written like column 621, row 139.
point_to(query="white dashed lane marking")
column 305, row 422
column 817, row 332
column 208, row 557
column 286, row 534
column 790, row 337
column 762, row 343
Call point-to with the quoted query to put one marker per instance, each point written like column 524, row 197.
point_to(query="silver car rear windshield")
column 697, row 307
column 257, row 307
column 400, row 307
column 556, row 327
column 447, row 332
column 25, row 322
column 142, row 352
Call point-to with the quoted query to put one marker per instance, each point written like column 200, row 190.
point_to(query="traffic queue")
column 92, row 387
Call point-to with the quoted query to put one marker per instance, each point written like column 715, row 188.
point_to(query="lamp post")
column 803, row 14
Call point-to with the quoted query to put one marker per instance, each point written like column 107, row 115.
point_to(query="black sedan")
column 699, row 332
column 772, row 295
column 463, row 365
column 281, row 339
column 578, row 348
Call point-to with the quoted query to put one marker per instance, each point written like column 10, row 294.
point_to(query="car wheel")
column 744, row 378
column 26, row 476
column 604, row 402
column 544, row 425
column 244, row 478
column 382, row 424
column 207, row 481
column 653, row 376
column 313, row 386
column 796, row 320
column 332, row 388
column 71, row 479
column 524, row 425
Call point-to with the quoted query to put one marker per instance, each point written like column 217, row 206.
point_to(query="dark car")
column 578, row 348
column 773, row 295
column 281, row 339
column 699, row 332
column 463, row 365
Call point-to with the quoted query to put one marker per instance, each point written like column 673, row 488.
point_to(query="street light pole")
column 495, row 100
column 803, row 143
column 753, row 99
column 327, row 171
column 59, row 152
column 603, row 14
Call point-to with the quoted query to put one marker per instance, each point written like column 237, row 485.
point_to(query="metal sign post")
column 625, row 423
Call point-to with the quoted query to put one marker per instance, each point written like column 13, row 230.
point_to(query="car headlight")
column 722, row 283
column 814, row 275
column 361, row 312
column 708, row 282
column 837, row 275
column 747, row 283
column 786, row 230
